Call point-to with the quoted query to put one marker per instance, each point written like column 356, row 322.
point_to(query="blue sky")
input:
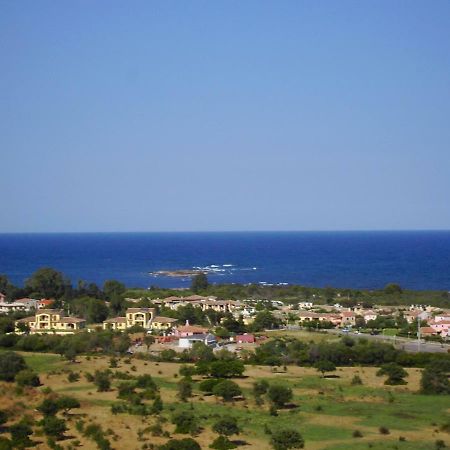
column 224, row 115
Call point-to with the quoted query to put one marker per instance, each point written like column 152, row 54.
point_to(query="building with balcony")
column 50, row 321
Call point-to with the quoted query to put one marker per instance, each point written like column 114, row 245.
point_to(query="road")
column 409, row 345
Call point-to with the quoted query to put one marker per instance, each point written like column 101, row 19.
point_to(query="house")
column 51, row 321
column 189, row 341
column 305, row 305
column 23, row 304
column 161, row 323
column 442, row 327
column 348, row 319
column 116, row 324
column 45, row 303
column 427, row 331
column 141, row 317
column 369, row 315
column 2, row 298
column 189, row 330
column 442, row 317
column 245, row 339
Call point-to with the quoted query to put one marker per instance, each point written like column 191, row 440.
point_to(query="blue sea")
column 414, row 259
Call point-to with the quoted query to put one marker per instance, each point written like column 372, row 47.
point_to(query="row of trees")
column 49, row 283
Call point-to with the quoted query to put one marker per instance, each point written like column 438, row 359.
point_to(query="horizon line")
column 361, row 230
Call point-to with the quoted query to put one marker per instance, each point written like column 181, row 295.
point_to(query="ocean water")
column 414, row 259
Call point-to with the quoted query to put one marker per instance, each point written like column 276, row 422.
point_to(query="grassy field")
column 328, row 411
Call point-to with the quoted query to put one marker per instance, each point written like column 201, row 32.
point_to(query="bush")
column 27, row 378
column 356, row 381
column 226, row 426
column 260, row 387
column 286, row 439
column 435, row 380
column 73, row 377
column 146, row 382
column 222, row 443
column 208, row 385
column 227, row 390
column 279, row 395
column 185, row 422
column 53, row 426
column 5, row 444
column 20, row 433
column 181, row 444
column 184, row 389
column 384, row 430
column 11, row 364
column 48, row 407
column 102, row 381
column 357, row 434
column 226, row 369
column 394, row 372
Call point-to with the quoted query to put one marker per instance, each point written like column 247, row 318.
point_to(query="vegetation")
column 395, row 373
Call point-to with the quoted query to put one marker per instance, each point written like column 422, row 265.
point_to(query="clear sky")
column 224, row 115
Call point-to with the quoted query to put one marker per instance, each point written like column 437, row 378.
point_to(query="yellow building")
column 117, row 324
column 160, row 323
column 51, row 321
column 142, row 317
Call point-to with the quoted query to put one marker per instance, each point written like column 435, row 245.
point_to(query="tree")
column 27, row 378
column 3, row 417
column 227, row 390
column 5, row 444
column 394, row 372
column 185, row 422
column 20, row 433
column 47, row 282
column 53, row 426
column 117, row 304
column 222, row 443
column 48, row 407
column 435, row 380
column 226, row 369
column 102, row 381
column 226, row 426
column 199, row 283
column 260, row 388
column 329, row 294
column 208, row 385
column 392, row 288
column 286, row 439
column 113, row 288
column 10, row 365
column 202, row 352
column 324, row 365
column 148, row 340
column 279, row 395
column 181, row 444
column 67, row 403
column 184, row 389
column 265, row 320
column 157, row 406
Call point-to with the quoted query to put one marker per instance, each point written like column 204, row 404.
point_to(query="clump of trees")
column 395, row 373
column 435, row 378
column 11, row 364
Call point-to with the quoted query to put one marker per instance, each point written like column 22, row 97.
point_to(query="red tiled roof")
column 116, row 320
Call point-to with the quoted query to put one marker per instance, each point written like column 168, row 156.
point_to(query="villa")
column 51, row 321
column 140, row 317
